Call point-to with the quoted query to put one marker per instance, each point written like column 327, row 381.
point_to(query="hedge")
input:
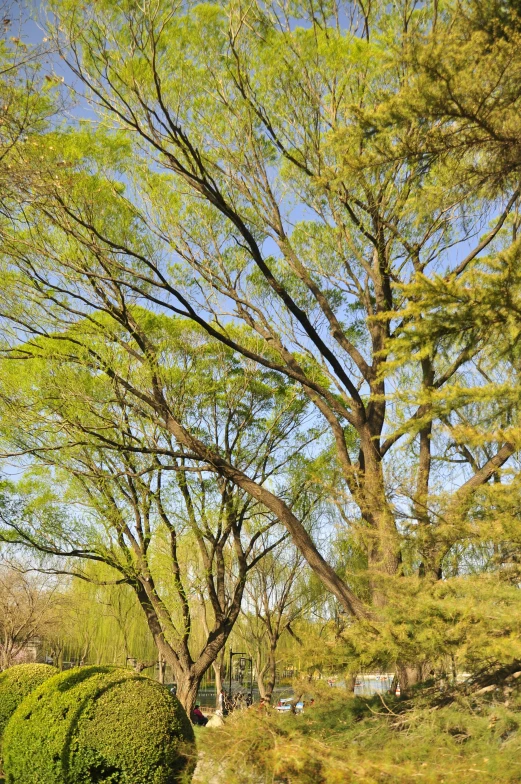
column 99, row 725
column 16, row 683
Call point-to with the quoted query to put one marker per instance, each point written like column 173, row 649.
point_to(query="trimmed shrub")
column 99, row 725
column 16, row 683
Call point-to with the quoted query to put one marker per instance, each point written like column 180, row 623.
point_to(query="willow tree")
column 247, row 170
column 166, row 523
column 277, row 595
column 28, row 104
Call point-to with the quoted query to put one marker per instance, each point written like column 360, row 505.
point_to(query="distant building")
column 32, row 651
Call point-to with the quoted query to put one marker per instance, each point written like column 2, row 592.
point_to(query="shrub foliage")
column 16, row 683
column 99, row 725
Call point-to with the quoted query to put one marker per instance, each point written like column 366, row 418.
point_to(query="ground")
column 468, row 736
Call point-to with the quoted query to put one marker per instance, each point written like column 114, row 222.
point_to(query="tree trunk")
column 380, row 535
column 408, row 676
column 162, row 666
column 4, row 659
column 218, row 671
column 271, row 671
column 351, row 681
column 188, row 674
column 187, row 688
column 261, row 671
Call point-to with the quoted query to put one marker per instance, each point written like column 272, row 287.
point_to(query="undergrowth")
column 470, row 739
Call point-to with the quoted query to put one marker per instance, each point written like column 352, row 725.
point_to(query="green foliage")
column 97, row 725
column 101, row 623
column 28, row 103
column 458, row 622
column 16, row 683
column 230, row 404
column 463, row 622
column 476, row 314
column 306, row 184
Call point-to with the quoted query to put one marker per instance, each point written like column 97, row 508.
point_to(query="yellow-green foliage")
column 433, row 625
column 99, row 725
column 18, row 682
column 470, row 620
column 342, row 739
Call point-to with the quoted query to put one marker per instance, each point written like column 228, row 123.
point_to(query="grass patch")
column 342, row 739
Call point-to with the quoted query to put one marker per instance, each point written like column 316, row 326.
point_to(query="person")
column 198, row 717
column 223, row 702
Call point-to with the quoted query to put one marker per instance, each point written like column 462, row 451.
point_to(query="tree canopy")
column 275, row 241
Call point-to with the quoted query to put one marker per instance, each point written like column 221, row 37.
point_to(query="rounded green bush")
column 99, row 725
column 16, row 683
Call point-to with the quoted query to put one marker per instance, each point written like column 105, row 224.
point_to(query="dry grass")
column 341, row 739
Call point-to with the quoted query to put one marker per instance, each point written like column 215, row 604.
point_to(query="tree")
column 99, row 624
column 465, row 99
column 165, row 524
column 29, row 608
column 259, row 186
column 28, row 105
column 276, row 596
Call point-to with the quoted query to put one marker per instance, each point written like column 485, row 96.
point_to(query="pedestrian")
column 198, row 717
column 223, row 702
